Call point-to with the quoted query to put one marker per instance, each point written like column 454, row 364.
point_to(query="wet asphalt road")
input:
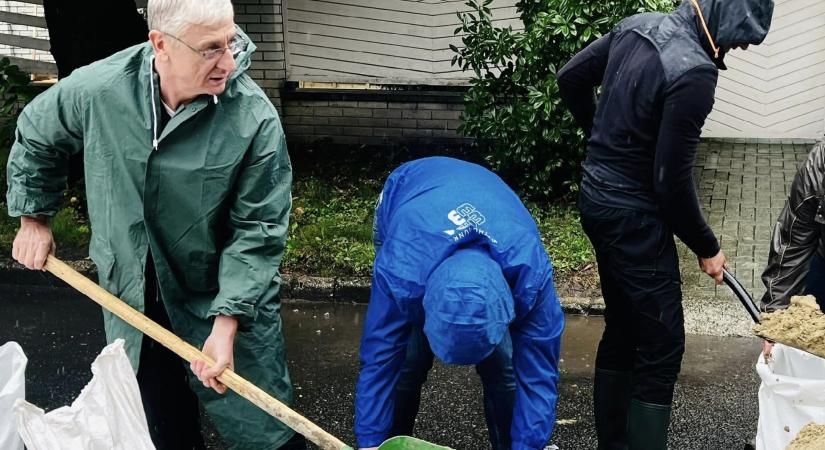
column 715, row 405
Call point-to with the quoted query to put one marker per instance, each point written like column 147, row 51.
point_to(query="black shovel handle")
column 742, row 294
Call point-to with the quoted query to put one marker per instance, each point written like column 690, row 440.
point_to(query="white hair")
column 174, row 16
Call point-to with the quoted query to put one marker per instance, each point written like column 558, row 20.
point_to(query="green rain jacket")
column 210, row 196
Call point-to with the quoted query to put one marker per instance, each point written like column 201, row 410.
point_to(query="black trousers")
column 815, row 281
column 497, row 379
column 171, row 407
column 644, row 322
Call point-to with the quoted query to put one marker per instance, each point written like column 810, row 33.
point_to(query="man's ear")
column 159, row 42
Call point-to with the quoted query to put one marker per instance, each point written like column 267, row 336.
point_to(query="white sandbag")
column 107, row 415
column 12, row 388
column 792, row 395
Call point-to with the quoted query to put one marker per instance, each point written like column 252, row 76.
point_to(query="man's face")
column 195, row 74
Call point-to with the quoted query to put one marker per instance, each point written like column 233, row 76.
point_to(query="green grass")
column 68, row 228
column 563, row 237
column 8, row 229
column 331, row 230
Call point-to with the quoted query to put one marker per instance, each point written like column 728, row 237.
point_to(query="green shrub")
column 513, row 109
column 15, row 92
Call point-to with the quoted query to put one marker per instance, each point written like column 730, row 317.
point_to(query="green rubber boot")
column 647, row 425
column 611, row 397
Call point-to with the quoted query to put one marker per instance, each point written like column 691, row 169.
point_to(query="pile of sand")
column 812, row 437
column 801, row 326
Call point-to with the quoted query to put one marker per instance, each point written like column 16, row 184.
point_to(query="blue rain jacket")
column 427, row 210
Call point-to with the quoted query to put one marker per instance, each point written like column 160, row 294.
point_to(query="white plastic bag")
column 12, row 387
column 108, row 413
column 792, row 395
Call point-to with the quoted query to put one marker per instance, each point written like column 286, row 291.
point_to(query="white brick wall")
column 22, row 30
column 263, row 22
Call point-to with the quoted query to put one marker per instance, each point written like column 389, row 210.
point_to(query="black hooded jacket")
column 798, row 234
column 658, row 76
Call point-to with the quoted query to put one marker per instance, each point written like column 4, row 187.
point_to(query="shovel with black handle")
column 756, row 315
column 742, row 295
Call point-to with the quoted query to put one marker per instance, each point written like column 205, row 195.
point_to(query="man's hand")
column 767, row 348
column 219, row 346
column 713, row 266
column 34, row 242
column 370, row 448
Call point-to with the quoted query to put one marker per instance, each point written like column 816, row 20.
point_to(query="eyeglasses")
column 235, row 47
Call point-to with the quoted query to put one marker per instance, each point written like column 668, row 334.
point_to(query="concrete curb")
column 357, row 290
column 304, row 287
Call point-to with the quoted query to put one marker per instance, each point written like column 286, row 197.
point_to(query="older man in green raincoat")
column 188, row 186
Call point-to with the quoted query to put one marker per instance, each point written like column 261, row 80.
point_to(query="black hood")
column 733, row 22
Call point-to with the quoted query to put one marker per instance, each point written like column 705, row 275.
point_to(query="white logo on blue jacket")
column 464, row 217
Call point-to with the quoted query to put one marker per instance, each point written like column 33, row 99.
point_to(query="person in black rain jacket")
column 658, row 75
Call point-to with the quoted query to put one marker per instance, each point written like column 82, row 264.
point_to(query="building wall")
column 381, row 41
column 395, row 120
column 777, row 89
column 773, row 90
column 23, row 30
column 263, row 21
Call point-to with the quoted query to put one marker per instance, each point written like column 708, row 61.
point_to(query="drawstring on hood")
column 154, row 106
column 705, row 27
column 730, row 23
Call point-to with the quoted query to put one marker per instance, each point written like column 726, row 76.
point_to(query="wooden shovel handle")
column 169, row 340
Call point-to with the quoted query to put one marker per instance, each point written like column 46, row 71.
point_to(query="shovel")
column 228, row 377
column 742, row 295
column 753, row 310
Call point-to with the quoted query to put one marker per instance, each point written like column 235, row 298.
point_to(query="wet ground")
column 715, row 405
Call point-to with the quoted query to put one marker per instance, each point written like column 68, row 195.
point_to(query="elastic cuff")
column 708, row 250
column 245, row 316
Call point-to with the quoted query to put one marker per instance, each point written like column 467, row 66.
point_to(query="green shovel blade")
column 409, row 443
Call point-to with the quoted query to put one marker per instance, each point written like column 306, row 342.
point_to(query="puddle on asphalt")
column 336, row 328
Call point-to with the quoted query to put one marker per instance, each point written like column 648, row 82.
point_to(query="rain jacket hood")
column 730, row 22
column 466, row 312
column 680, row 37
column 244, row 59
column 207, row 196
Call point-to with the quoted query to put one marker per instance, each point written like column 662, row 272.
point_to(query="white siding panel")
column 776, row 89
column 389, row 41
column 25, row 31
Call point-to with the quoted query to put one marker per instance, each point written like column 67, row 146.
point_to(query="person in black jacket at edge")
column 658, row 75
column 796, row 262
